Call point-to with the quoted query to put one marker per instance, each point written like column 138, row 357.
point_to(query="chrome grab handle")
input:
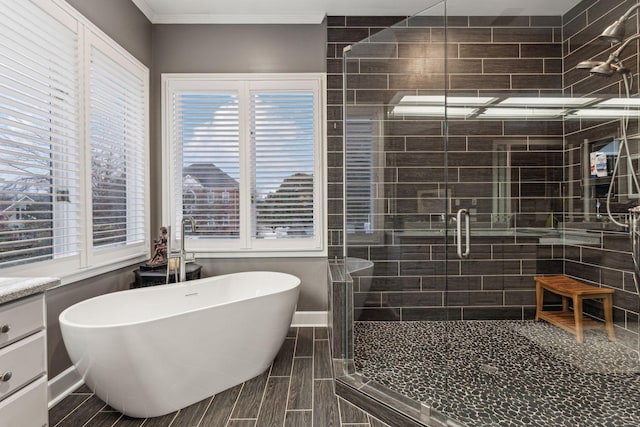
column 5, row 328
column 6, row 377
column 459, row 215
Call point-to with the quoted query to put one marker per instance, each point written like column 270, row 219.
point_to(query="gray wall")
column 311, row 271
column 123, row 22
column 62, row 297
column 226, row 49
column 239, row 49
column 194, row 48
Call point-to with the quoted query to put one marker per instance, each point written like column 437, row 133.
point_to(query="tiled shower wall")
column 526, row 56
column 502, row 56
column 610, row 264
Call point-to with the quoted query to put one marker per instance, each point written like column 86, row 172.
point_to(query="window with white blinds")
column 360, row 180
column 73, row 144
column 117, row 126
column 282, row 149
column 245, row 156
column 208, row 162
column 39, row 136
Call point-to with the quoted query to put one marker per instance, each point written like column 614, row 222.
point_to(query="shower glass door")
column 468, row 146
column 399, row 212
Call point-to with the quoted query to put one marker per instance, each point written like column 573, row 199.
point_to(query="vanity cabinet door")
column 21, row 318
column 21, row 363
column 27, row 407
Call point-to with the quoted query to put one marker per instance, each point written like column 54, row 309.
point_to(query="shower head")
column 615, row 32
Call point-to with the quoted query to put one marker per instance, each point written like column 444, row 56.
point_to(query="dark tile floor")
column 297, row 391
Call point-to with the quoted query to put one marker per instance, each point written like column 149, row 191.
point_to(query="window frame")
column 88, row 261
column 246, row 245
column 127, row 62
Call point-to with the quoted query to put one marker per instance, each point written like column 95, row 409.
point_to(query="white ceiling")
column 314, row 11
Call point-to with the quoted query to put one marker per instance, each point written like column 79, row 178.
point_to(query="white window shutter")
column 282, row 146
column 39, row 136
column 207, row 162
column 359, row 174
column 117, row 124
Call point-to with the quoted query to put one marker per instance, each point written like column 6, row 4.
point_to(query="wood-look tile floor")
column 297, row 391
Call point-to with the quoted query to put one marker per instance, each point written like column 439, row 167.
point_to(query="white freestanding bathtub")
column 150, row 351
column 363, row 270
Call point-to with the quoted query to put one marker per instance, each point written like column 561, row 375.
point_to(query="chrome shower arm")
column 628, row 13
column 615, row 55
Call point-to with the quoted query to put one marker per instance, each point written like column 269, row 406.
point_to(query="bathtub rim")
column 361, row 263
column 63, row 317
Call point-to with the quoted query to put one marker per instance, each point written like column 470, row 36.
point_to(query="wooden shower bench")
column 573, row 322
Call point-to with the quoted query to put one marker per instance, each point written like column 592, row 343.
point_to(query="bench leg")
column 539, row 298
column 577, row 315
column 608, row 316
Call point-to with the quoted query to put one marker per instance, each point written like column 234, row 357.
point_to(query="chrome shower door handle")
column 463, row 213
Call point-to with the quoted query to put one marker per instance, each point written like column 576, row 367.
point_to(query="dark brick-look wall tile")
column 609, row 264
column 494, row 56
column 486, row 55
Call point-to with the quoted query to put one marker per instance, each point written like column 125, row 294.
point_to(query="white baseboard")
column 318, row 319
column 63, row 384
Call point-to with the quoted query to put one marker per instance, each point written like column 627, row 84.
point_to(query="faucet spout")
column 183, row 253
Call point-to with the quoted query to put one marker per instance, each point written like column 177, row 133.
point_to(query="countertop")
column 13, row 288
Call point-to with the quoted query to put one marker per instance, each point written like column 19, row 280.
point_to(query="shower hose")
column 634, row 213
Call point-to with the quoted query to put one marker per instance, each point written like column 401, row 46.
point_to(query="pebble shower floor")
column 504, row 373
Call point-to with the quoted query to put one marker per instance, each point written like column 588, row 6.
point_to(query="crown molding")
column 306, row 18
column 145, row 9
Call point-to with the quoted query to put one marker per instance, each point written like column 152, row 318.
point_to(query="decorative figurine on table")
column 160, row 257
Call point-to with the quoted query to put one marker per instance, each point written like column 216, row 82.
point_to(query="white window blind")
column 282, row 147
column 207, row 162
column 39, row 136
column 359, row 174
column 117, row 126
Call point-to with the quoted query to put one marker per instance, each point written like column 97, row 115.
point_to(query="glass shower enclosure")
column 469, row 144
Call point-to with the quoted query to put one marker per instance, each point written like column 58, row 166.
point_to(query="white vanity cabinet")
column 23, row 363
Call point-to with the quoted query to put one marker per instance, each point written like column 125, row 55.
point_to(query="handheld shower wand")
column 615, row 33
column 612, row 64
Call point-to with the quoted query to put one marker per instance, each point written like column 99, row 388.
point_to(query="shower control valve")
column 5, row 328
column 6, row 377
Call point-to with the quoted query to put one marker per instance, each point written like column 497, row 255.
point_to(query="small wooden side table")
column 158, row 276
column 574, row 322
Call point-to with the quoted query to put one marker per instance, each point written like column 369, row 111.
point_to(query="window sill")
column 259, row 254
column 89, row 273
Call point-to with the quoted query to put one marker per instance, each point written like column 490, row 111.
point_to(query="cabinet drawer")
column 26, row 408
column 21, row 318
column 25, row 360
